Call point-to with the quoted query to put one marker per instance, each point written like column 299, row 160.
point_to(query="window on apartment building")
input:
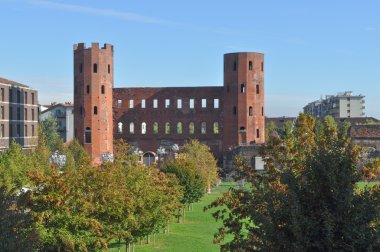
column 25, row 130
column 109, row 68
column 257, row 89
column 95, row 68
column 155, row 128
column 262, row 66
column 179, row 128
column 18, row 130
column 234, row 110
column 119, row 103
column 33, row 98
column 191, row 128
column 242, row 88
column 88, row 89
column 131, row 103
column 10, row 130
column 2, row 94
column 25, row 97
column 203, row 128
column 87, row 135
column 250, row 66
column 216, row 128
column 119, row 127
column 143, row 128
column 250, row 111
column 10, row 113
column 143, row 103
column 10, row 95
column 216, row 103
column 95, row 110
column 2, row 130
column 132, row 128
column 18, row 114
column 2, row 112
column 33, row 133
column 167, row 103
column 348, row 105
column 179, row 103
column 25, row 114
column 155, row 103
column 18, row 96
column 257, row 133
column 103, row 90
column 235, row 66
column 204, row 103
column 167, row 128
column 80, row 68
column 191, row 104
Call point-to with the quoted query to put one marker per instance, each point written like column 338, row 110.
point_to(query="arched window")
column 143, row 128
column 155, row 128
column 87, row 135
column 250, row 113
column 250, row 66
column 216, row 128
column 257, row 89
column 103, row 89
column 95, row 110
column 242, row 129
column 191, row 128
column 109, row 68
column 242, row 88
column 167, row 128
column 203, row 128
column 95, row 68
column 257, row 133
column 179, row 128
column 120, row 127
column 132, row 128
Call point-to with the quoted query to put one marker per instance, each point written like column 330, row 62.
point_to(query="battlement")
column 82, row 46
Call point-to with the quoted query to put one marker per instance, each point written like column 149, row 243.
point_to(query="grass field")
column 196, row 234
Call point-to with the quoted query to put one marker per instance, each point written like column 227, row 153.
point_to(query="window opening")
column 179, row 128
column 18, row 96
column 204, row 103
column 87, row 135
column 32, row 98
column 109, row 68
column 95, row 110
column 167, row 128
column 179, row 103
column 262, row 66
column 262, row 111
column 234, row 66
column 119, row 103
column 25, row 130
column 25, row 97
column 234, row 110
column 257, row 89
column 103, row 90
column 95, row 68
column 131, row 128
column 25, row 114
column 216, row 128
column 143, row 103
column 242, row 129
column 191, row 128
column 88, row 89
column 167, row 103
column 191, row 103
column 216, row 103
column 257, row 133
column 155, row 128
column 119, row 127
column 250, row 111
column 203, row 128
column 155, row 103
column 242, row 88
column 130, row 103
column 33, row 130
column 250, row 66
column 143, row 128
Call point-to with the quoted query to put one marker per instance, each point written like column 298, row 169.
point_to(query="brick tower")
column 93, row 84
column 243, row 109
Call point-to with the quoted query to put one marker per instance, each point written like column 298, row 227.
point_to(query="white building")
column 63, row 112
column 342, row 105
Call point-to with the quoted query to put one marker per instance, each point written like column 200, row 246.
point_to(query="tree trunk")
column 147, row 239
column 208, row 187
column 126, row 246
column 119, row 249
column 183, row 215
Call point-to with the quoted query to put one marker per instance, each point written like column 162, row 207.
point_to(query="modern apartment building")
column 18, row 114
column 64, row 113
column 342, row 105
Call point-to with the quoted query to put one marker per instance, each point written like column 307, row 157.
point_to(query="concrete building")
column 222, row 117
column 64, row 113
column 18, row 114
column 341, row 105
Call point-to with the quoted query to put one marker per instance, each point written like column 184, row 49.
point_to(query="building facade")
column 159, row 118
column 18, row 114
column 64, row 113
column 342, row 105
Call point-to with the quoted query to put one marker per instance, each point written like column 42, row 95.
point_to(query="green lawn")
column 196, row 234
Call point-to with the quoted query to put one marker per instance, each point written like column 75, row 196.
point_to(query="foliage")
column 205, row 163
column 307, row 198
column 123, row 153
column 188, row 177
column 49, row 128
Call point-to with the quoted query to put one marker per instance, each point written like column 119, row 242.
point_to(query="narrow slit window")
column 250, row 111
column 109, row 68
column 234, row 110
column 88, row 89
column 103, row 89
column 250, row 66
column 25, row 130
column 242, row 88
column 33, row 98
column 95, row 110
column 25, row 97
column 143, row 103
column 257, row 89
column 155, row 103
column 87, row 134
column 25, row 114
column 120, row 127
column 131, row 128
column 33, row 133
column 262, row 66
column 262, row 111
column 234, row 68
column 257, row 133
column 95, row 68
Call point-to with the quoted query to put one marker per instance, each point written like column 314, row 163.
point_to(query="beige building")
column 18, row 114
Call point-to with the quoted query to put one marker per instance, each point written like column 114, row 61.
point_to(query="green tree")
column 49, row 129
column 201, row 157
column 307, row 198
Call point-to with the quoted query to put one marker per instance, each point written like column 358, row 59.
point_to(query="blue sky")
column 311, row 48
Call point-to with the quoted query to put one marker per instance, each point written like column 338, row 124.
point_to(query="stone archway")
column 149, row 158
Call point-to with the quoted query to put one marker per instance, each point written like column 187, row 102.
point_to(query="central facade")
column 151, row 118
